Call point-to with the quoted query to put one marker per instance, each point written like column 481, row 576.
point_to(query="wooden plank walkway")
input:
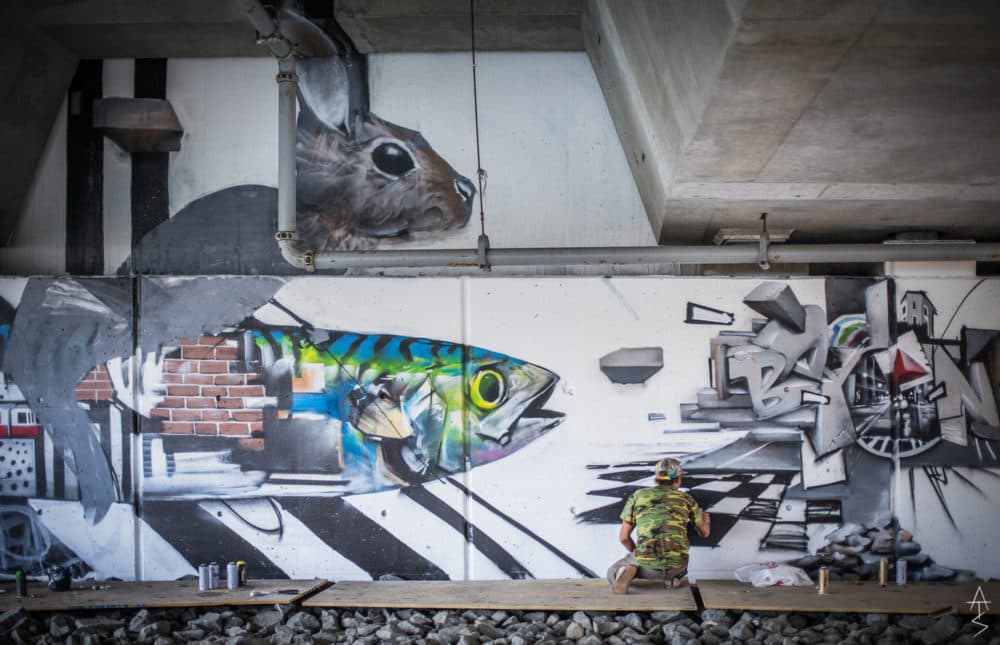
column 175, row 593
column 547, row 595
column 866, row 597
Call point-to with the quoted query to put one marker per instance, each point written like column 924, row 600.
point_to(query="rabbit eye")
column 392, row 160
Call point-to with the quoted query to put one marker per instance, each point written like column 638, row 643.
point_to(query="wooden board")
column 136, row 595
column 550, row 595
column 867, row 597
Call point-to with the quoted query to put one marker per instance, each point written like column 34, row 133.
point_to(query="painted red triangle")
column 906, row 368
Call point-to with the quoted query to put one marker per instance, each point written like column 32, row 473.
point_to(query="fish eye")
column 487, row 389
column 392, row 159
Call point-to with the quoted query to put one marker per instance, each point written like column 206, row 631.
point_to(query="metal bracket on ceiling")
column 483, row 247
column 763, row 242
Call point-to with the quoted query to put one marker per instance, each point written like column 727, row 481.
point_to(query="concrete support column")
column 657, row 63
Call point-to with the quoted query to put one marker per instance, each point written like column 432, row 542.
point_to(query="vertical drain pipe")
column 287, row 235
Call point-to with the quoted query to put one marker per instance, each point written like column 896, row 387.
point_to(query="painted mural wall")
column 492, row 428
column 386, row 158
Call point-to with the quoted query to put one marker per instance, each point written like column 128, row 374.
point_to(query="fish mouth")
column 535, row 419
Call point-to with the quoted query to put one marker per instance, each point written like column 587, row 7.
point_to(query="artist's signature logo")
column 980, row 605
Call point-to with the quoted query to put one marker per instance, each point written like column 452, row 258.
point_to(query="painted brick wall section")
column 205, row 394
column 95, row 386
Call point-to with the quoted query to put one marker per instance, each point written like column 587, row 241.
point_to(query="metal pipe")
column 616, row 255
column 258, row 16
column 287, row 234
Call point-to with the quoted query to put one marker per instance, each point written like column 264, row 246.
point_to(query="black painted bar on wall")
column 150, row 170
column 84, row 173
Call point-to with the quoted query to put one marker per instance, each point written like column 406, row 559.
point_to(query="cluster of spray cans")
column 208, row 575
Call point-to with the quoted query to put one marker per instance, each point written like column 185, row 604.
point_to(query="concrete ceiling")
column 845, row 120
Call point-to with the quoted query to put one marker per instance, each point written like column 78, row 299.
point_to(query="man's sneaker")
column 624, row 578
column 677, row 583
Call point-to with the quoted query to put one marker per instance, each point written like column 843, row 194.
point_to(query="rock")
column 498, row 616
column 408, row 628
column 941, row 630
column 209, row 621
column 152, row 630
column 469, row 640
column 283, row 635
column 139, row 620
column 575, row 631
column 742, row 631
column 303, row 621
column 590, row 639
column 191, row 634
column 715, row 616
column 490, row 631
column 933, row 572
column 326, row 637
column 60, row 625
column 605, row 627
column 666, row 616
column 98, row 624
column 844, row 532
column 914, row 622
column 163, row 640
column 632, row 620
column 908, row 548
column 517, row 640
column 267, row 618
column 583, row 620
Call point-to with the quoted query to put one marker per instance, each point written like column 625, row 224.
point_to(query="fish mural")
column 376, row 411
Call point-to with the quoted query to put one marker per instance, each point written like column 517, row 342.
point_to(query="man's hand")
column 705, row 525
column 625, row 536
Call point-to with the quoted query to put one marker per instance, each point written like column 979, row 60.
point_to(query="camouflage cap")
column 668, row 469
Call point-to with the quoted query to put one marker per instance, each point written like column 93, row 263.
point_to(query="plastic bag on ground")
column 769, row 574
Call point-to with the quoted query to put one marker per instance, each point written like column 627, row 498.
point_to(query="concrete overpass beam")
column 657, row 63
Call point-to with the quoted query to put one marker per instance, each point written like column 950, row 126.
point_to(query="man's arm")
column 625, row 536
column 704, row 526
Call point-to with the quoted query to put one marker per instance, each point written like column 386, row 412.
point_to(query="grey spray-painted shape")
column 65, row 327
column 630, row 365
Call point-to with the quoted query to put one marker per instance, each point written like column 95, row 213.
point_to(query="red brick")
column 177, row 366
column 231, row 403
column 198, row 379
column 200, row 402
column 183, row 390
column 186, row 415
column 226, row 353
column 253, row 377
column 206, row 428
column 173, row 379
column 248, row 415
column 234, row 428
column 172, row 402
column 256, row 428
column 247, row 390
column 230, row 379
column 187, row 341
column 178, row 428
column 215, row 415
column 197, row 352
column 214, row 391
column 104, row 394
column 211, row 340
column 162, row 413
column 86, row 394
column 213, row 367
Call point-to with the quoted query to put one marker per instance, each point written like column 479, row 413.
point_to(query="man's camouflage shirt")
column 660, row 515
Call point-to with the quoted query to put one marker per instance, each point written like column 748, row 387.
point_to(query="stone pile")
column 291, row 625
column 853, row 552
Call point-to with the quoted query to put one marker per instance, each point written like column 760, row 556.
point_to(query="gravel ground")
column 290, row 624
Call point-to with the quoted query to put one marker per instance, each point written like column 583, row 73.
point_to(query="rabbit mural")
column 361, row 181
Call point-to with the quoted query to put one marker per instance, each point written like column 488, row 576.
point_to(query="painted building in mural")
column 458, row 428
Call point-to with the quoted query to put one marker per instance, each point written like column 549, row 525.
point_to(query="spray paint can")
column 21, row 583
column 232, row 575
column 900, row 571
column 203, row 577
column 242, row 565
column 883, row 572
column 824, row 579
column 213, row 575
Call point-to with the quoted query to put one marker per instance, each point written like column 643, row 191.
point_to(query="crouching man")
column 660, row 516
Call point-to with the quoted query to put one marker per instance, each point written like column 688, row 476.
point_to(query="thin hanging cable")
column 481, row 174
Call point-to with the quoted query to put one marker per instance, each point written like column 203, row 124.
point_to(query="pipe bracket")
column 286, row 235
column 481, row 252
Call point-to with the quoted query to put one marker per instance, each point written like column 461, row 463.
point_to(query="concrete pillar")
column 657, row 63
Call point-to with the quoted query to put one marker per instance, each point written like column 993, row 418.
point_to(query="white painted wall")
column 557, row 175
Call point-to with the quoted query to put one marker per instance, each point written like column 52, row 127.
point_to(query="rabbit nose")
column 465, row 188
